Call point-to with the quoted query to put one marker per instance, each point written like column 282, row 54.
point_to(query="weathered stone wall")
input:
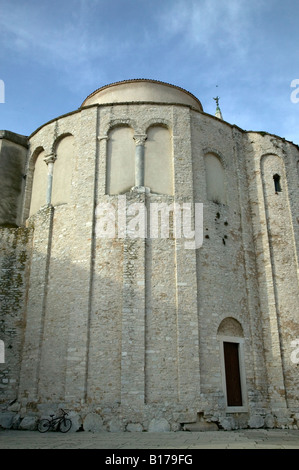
column 125, row 330
column 226, row 275
column 14, row 255
column 275, row 228
column 62, row 248
column 13, row 151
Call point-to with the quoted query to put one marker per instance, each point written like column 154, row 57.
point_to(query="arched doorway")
column 231, row 337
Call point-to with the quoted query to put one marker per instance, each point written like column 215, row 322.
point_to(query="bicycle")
column 60, row 423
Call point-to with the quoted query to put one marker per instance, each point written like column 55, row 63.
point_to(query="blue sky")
column 56, row 52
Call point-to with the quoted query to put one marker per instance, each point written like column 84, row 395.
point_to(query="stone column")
column 186, row 275
column 33, row 348
column 103, row 170
column 49, row 160
column 133, row 314
column 139, row 159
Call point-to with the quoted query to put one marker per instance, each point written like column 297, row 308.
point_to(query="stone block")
column 6, row 420
column 201, row 426
column 283, row 419
column 269, row 421
column 175, row 427
column 16, row 421
column 256, row 421
column 115, row 425
column 296, row 418
column 134, row 427
column 14, row 407
column 29, row 423
column 76, row 421
column 228, row 423
column 159, row 425
column 93, row 423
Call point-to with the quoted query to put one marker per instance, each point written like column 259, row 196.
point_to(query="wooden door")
column 232, row 374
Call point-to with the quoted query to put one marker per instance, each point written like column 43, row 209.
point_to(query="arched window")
column 62, row 170
column 40, row 182
column 215, row 179
column 158, row 163
column 120, row 160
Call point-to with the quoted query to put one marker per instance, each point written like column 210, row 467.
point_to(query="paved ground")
column 241, row 439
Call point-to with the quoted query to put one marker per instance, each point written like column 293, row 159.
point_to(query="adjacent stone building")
column 149, row 267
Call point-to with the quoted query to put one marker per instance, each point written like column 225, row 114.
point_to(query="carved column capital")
column 140, row 139
column 50, row 158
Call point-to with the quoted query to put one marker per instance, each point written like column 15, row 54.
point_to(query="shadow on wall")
column 83, row 329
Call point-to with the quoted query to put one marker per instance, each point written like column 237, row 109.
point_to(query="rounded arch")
column 63, row 148
column 273, row 157
column 215, row 178
column 59, row 139
column 157, row 122
column 36, row 181
column 232, row 363
column 217, row 153
column 273, row 163
column 271, row 154
column 229, row 326
column 120, row 163
column 158, row 164
column 116, row 123
column 33, row 157
column 29, row 180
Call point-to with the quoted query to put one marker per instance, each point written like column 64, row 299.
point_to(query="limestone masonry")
column 149, row 268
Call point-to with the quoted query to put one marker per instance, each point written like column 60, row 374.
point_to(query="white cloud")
column 46, row 40
column 65, row 44
column 212, row 24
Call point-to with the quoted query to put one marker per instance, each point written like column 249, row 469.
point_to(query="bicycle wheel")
column 43, row 425
column 65, row 425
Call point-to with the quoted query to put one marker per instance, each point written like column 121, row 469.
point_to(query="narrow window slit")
column 277, row 185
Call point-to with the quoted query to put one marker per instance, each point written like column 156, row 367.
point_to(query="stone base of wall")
column 118, row 418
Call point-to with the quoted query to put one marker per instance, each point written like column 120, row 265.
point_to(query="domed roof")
column 142, row 90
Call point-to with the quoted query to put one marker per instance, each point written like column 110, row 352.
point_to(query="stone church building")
column 149, row 267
